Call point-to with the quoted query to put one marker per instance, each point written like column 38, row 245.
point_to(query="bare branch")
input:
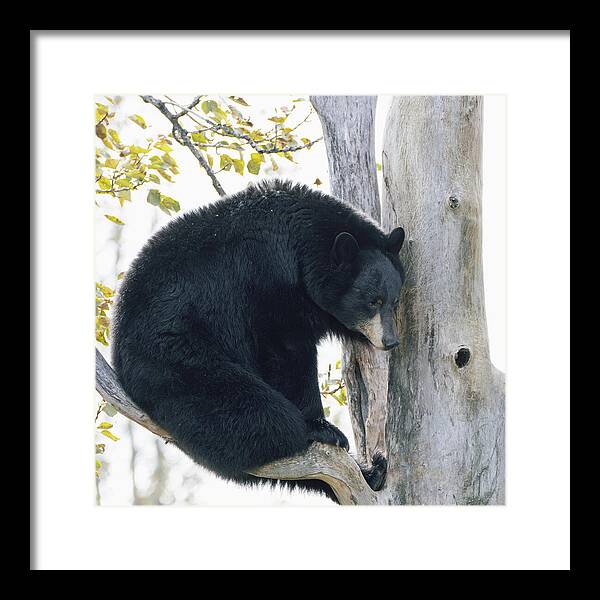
column 182, row 136
column 330, row 464
column 108, row 386
column 190, row 106
column 320, row 461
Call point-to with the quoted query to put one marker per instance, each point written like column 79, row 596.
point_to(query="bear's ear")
column 395, row 239
column 345, row 248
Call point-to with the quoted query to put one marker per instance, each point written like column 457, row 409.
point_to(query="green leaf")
column 111, row 163
column 123, row 183
column 101, row 131
column 114, row 219
column 109, row 409
column 341, row 397
column 209, row 106
column 219, row 115
column 123, row 196
column 226, row 162
column 154, row 178
column 253, row 167
column 169, row 203
column 153, row 197
column 138, row 121
column 199, row 137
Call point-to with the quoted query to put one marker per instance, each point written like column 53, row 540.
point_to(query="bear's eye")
column 376, row 302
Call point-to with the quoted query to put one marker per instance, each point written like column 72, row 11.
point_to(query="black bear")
column 218, row 320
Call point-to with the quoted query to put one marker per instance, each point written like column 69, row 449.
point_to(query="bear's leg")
column 225, row 417
column 295, row 375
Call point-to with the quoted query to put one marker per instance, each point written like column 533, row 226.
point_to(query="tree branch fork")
column 327, row 463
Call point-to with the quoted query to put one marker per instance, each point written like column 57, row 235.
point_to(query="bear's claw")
column 375, row 475
column 323, row 431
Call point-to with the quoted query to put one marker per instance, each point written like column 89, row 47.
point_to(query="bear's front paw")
column 323, row 431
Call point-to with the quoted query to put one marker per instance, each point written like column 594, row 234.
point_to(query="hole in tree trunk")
column 453, row 201
column 462, row 357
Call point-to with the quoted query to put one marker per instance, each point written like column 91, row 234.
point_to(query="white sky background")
column 188, row 482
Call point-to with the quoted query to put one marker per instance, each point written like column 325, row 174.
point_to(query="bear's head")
column 366, row 288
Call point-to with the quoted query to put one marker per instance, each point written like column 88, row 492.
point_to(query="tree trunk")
column 435, row 406
column 349, row 133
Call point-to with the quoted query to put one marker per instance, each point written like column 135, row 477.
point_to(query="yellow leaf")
column 138, row 121
column 110, row 436
column 239, row 100
column 105, row 425
column 114, row 220
column 115, row 136
column 238, row 165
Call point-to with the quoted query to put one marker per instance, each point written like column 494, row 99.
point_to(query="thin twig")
column 182, row 136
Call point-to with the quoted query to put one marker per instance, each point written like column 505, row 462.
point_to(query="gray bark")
column 349, row 132
column 440, row 423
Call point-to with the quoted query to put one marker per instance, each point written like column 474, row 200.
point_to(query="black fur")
column 218, row 319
